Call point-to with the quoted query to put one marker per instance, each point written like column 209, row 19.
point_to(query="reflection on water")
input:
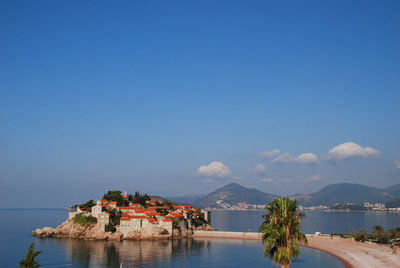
column 176, row 253
column 129, row 253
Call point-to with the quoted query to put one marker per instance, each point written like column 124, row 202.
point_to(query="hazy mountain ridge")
column 346, row 193
column 234, row 193
column 329, row 195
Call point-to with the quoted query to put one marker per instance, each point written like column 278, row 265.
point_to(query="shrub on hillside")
column 84, row 220
column 110, row 228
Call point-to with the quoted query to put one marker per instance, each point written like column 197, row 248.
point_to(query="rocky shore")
column 69, row 229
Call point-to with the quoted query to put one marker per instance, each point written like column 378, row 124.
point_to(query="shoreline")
column 333, row 253
column 352, row 254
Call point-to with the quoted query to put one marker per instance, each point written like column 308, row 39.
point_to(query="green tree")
column 281, row 230
column 377, row 231
column 141, row 199
column 29, row 261
column 115, row 216
column 115, row 195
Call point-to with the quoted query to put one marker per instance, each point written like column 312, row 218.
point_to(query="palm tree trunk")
column 285, row 265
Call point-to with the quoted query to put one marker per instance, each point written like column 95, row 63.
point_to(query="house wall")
column 72, row 214
column 96, row 210
column 103, row 219
column 132, row 225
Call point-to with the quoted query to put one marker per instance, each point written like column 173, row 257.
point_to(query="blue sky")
column 182, row 97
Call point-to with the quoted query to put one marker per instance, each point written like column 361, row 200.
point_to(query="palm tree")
column 281, row 230
column 29, row 261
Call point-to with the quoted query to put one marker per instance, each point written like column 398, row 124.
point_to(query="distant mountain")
column 329, row 195
column 186, row 199
column 394, row 190
column 395, row 203
column 348, row 193
column 232, row 194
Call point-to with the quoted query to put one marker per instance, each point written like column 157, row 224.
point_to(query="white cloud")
column 270, row 154
column 259, row 169
column 215, row 169
column 397, row 164
column 305, row 158
column 314, row 178
column 349, row 150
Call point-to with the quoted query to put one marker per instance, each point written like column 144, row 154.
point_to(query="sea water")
column 16, row 227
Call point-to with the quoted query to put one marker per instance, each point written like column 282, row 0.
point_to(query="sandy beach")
column 356, row 254
column 352, row 254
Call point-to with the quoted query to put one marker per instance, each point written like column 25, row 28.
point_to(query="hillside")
column 394, row 190
column 346, row 193
column 232, row 194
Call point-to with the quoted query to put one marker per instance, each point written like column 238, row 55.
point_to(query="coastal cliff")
column 69, row 229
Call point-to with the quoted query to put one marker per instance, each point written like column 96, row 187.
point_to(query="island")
column 136, row 217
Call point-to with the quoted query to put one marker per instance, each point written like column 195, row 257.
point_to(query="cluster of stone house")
column 137, row 219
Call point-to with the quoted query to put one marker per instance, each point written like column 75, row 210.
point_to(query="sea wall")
column 235, row 235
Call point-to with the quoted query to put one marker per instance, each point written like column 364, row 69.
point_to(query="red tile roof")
column 103, row 200
column 152, row 213
column 158, row 207
column 137, row 217
column 139, row 210
column 151, row 220
column 112, row 203
column 126, row 208
column 153, row 200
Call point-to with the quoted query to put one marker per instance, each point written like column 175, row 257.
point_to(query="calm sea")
column 16, row 227
column 315, row 221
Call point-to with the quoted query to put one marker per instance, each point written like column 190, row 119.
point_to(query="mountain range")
column 329, row 195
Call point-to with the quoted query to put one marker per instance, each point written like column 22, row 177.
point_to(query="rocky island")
column 137, row 217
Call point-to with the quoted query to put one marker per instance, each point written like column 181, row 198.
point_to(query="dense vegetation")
column 110, row 228
column 88, row 205
column 84, row 220
column 115, row 195
column 197, row 218
column 115, row 216
column 378, row 235
column 139, row 199
column 29, row 260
